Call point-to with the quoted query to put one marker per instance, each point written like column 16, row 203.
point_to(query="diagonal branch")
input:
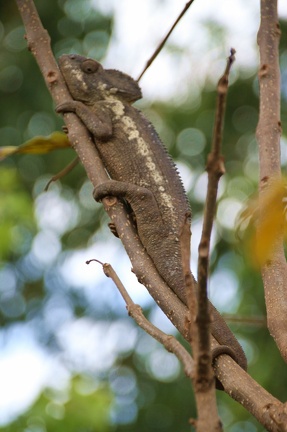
column 274, row 272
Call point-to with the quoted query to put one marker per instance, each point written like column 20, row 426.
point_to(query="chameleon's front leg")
column 97, row 121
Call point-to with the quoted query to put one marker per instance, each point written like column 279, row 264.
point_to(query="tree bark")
column 274, row 272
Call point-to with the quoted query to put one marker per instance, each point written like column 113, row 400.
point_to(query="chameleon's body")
column 140, row 168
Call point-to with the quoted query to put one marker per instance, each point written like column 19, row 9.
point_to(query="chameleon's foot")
column 109, row 188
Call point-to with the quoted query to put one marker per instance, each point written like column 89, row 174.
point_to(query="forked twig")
column 135, row 311
column 161, row 45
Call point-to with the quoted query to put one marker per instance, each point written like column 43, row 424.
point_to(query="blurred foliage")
column 16, row 215
column 81, row 409
column 43, row 237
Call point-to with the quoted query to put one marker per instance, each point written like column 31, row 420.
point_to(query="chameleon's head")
column 88, row 81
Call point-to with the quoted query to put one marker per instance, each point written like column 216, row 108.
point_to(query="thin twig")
column 62, row 173
column 215, row 169
column 222, row 89
column 205, row 392
column 135, row 311
column 161, row 45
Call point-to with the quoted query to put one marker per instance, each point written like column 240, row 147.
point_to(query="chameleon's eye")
column 90, row 66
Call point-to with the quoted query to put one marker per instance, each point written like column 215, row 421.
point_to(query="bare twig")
column 63, row 172
column 200, row 330
column 135, row 311
column 268, row 133
column 215, row 169
column 161, row 45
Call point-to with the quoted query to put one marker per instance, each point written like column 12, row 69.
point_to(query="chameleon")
column 140, row 169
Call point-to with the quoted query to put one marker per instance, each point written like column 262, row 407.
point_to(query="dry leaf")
column 37, row 145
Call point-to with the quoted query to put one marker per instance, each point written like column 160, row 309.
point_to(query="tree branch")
column 250, row 394
column 268, row 133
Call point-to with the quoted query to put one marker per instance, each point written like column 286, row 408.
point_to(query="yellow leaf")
column 38, row 145
column 267, row 222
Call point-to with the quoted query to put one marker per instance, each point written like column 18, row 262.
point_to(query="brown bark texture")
column 268, row 133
